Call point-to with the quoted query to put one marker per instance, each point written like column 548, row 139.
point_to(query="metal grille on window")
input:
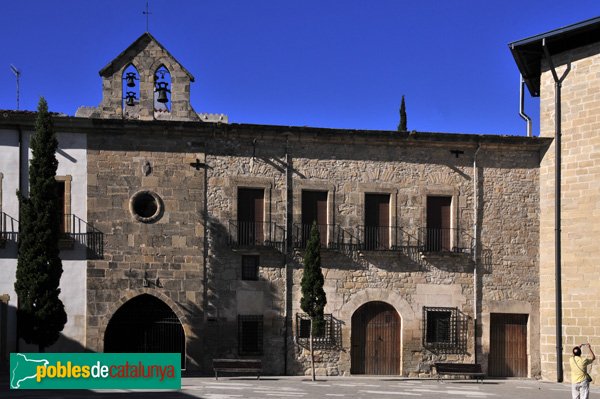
column 444, row 330
column 250, row 335
column 331, row 337
column 250, row 267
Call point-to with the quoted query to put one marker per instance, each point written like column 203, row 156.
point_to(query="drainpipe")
column 475, row 247
column 557, row 209
column 522, row 107
column 288, row 248
column 22, row 192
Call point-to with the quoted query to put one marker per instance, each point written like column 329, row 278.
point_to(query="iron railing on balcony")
column 9, row 228
column 386, row 238
column 76, row 230
column 446, row 240
column 301, row 235
column 256, row 234
column 344, row 240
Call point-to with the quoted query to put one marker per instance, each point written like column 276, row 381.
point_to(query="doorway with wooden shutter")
column 438, row 235
column 251, row 216
column 375, row 340
column 508, row 345
column 377, row 222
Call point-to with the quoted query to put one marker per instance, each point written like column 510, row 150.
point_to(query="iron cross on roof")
column 147, row 13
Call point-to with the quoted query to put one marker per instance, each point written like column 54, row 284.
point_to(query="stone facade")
column 580, row 217
column 169, row 196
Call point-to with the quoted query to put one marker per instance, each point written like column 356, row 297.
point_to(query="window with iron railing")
column 250, row 334
column 444, row 330
column 250, row 267
column 330, row 337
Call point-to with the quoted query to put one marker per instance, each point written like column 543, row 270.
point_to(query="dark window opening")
column 377, row 222
column 62, row 206
column 145, row 205
column 444, row 330
column 439, row 232
column 250, row 335
column 314, row 209
column 330, row 337
column 250, row 267
column 251, row 224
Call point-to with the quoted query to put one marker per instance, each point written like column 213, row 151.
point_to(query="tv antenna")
column 147, row 13
column 17, row 75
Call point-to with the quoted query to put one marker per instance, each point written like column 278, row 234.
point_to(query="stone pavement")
column 325, row 387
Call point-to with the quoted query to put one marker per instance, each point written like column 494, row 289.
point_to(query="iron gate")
column 145, row 324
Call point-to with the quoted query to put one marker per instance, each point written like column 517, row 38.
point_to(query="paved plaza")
column 325, row 387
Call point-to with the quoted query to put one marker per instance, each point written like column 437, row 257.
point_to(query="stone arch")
column 408, row 316
column 145, row 324
column 135, row 293
column 162, row 80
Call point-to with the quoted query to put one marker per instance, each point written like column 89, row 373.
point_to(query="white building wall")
column 72, row 161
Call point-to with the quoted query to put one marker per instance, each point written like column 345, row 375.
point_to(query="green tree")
column 402, row 126
column 313, row 296
column 41, row 314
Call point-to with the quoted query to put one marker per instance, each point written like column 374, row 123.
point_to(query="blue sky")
column 324, row 63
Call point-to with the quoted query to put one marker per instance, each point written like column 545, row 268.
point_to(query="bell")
column 130, row 79
column 130, row 98
column 161, row 88
column 162, row 96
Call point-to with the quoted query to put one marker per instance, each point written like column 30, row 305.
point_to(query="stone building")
column 431, row 245
column 574, row 54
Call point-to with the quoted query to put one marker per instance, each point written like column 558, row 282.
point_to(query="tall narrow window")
column 314, row 209
column 439, row 232
column 62, row 207
column 250, row 267
column 250, row 335
column 162, row 90
column 377, row 222
column 251, row 222
column 131, row 88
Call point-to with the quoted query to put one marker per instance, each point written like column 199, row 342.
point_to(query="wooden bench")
column 465, row 369
column 237, row 366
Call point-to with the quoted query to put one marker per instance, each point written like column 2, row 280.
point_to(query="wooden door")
column 377, row 221
column 508, row 345
column 438, row 223
column 314, row 208
column 251, row 216
column 375, row 340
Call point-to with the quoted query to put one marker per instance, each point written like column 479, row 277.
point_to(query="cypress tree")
column 41, row 314
column 402, row 127
column 313, row 296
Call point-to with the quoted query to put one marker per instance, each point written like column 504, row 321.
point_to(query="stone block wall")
column 348, row 168
column 168, row 253
column 580, row 215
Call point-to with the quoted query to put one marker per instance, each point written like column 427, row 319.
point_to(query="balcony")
column 386, row 238
column 75, row 231
column 9, row 229
column 437, row 240
column 256, row 234
column 301, row 235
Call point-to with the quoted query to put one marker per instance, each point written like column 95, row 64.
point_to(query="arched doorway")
column 145, row 324
column 375, row 340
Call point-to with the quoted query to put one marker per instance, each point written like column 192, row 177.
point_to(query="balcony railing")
column 76, row 230
column 386, row 238
column 256, row 234
column 344, row 240
column 445, row 240
column 301, row 235
column 9, row 228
